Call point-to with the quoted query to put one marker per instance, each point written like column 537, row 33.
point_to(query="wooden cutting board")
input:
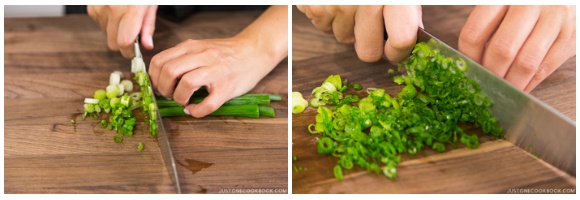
column 52, row 64
column 495, row 167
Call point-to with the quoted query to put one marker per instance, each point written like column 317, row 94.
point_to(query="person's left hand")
column 227, row 67
column 523, row 44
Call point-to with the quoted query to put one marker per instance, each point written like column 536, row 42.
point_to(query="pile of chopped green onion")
column 114, row 100
column 374, row 131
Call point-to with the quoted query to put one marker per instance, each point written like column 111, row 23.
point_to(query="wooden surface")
column 495, row 167
column 52, row 64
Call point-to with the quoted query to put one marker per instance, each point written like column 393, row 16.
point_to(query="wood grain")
column 495, row 167
column 52, row 64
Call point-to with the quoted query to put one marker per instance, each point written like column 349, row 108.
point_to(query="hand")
column 523, row 44
column 122, row 25
column 364, row 26
column 226, row 67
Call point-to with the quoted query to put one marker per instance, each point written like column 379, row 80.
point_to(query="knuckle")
column 541, row 74
column 212, row 106
column 315, row 11
column 471, row 37
column 156, row 61
column 369, row 56
column 170, row 72
column 187, row 42
column 402, row 42
column 344, row 38
column 502, row 49
column 528, row 64
column 342, row 9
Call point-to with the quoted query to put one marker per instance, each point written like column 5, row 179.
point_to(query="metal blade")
column 162, row 137
column 528, row 123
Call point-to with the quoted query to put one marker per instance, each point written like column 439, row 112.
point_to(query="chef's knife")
column 162, row 137
column 528, row 123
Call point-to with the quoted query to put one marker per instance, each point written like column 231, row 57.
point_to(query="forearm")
column 269, row 34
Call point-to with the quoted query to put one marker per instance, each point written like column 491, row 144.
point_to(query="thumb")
column 148, row 27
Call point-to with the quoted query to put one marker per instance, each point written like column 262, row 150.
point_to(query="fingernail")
column 150, row 40
column 168, row 98
column 186, row 111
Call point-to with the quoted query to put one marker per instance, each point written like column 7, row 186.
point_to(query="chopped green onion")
column 267, row 111
column 338, row 172
column 298, row 103
column 100, row 94
column 325, row 145
column 356, row 86
column 379, row 127
column 127, row 85
column 103, row 124
column 112, row 91
column 91, row 101
column 141, row 146
column 118, row 138
column 115, row 78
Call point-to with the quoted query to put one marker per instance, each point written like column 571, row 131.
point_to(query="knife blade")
column 528, row 122
column 162, row 137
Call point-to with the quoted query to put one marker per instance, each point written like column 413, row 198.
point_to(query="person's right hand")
column 364, row 26
column 123, row 24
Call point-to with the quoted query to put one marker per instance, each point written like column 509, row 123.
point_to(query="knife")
column 162, row 137
column 528, row 123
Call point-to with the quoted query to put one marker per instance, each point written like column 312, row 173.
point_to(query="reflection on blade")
column 528, row 123
column 166, row 153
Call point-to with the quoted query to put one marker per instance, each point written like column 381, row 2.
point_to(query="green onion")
column 325, row 145
column 100, row 94
column 298, row 103
column 127, row 85
column 338, row 172
column 258, row 99
column 103, row 124
column 112, row 91
column 118, row 138
column 267, row 111
column 356, row 86
column 141, row 146
column 374, row 132
column 250, row 111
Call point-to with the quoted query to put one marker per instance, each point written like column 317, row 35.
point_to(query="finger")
column 533, row 51
column 320, row 18
column 477, row 31
column 148, row 27
column 509, row 38
column 563, row 48
column 302, row 8
column 343, row 24
column 401, row 23
column 96, row 13
column 210, row 104
column 190, row 83
column 129, row 28
column 368, row 32
column 112, row 30
column 159, row 60
column 560, row 52
column 173, row 71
